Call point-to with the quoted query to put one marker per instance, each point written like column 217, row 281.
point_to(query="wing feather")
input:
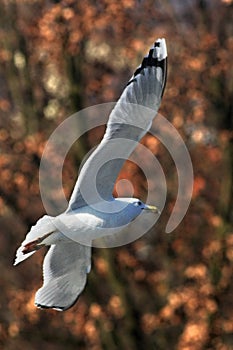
column 65, row 271
column 128, row 123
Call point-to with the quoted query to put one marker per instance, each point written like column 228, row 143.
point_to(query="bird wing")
column 128, row 122
column 65, row 271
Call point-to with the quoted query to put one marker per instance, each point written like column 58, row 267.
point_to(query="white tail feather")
column 43, row 227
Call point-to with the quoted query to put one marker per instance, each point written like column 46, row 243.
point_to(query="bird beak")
column 153, row 209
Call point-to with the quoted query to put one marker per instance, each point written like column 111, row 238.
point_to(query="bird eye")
column 139, row 203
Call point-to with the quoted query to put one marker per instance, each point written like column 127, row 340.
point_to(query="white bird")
column 93, row 212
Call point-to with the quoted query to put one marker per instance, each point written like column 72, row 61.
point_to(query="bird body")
column 93, row 212
column 83, row 225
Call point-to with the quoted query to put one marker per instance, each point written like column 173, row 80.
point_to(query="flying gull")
column 92, row 211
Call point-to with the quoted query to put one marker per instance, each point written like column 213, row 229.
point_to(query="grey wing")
column 65, row 271
column 129, row 121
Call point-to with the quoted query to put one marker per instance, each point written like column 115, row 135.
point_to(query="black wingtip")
column 57, row 308
column 157, row 57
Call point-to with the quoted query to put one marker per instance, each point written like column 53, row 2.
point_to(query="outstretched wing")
column 65, row 271
column 128, row 123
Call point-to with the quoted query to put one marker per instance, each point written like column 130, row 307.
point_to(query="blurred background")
column 164, row 291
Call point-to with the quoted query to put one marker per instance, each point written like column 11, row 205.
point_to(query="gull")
column 92, row 211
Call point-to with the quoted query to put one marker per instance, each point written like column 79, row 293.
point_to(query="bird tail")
column 41, row 230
